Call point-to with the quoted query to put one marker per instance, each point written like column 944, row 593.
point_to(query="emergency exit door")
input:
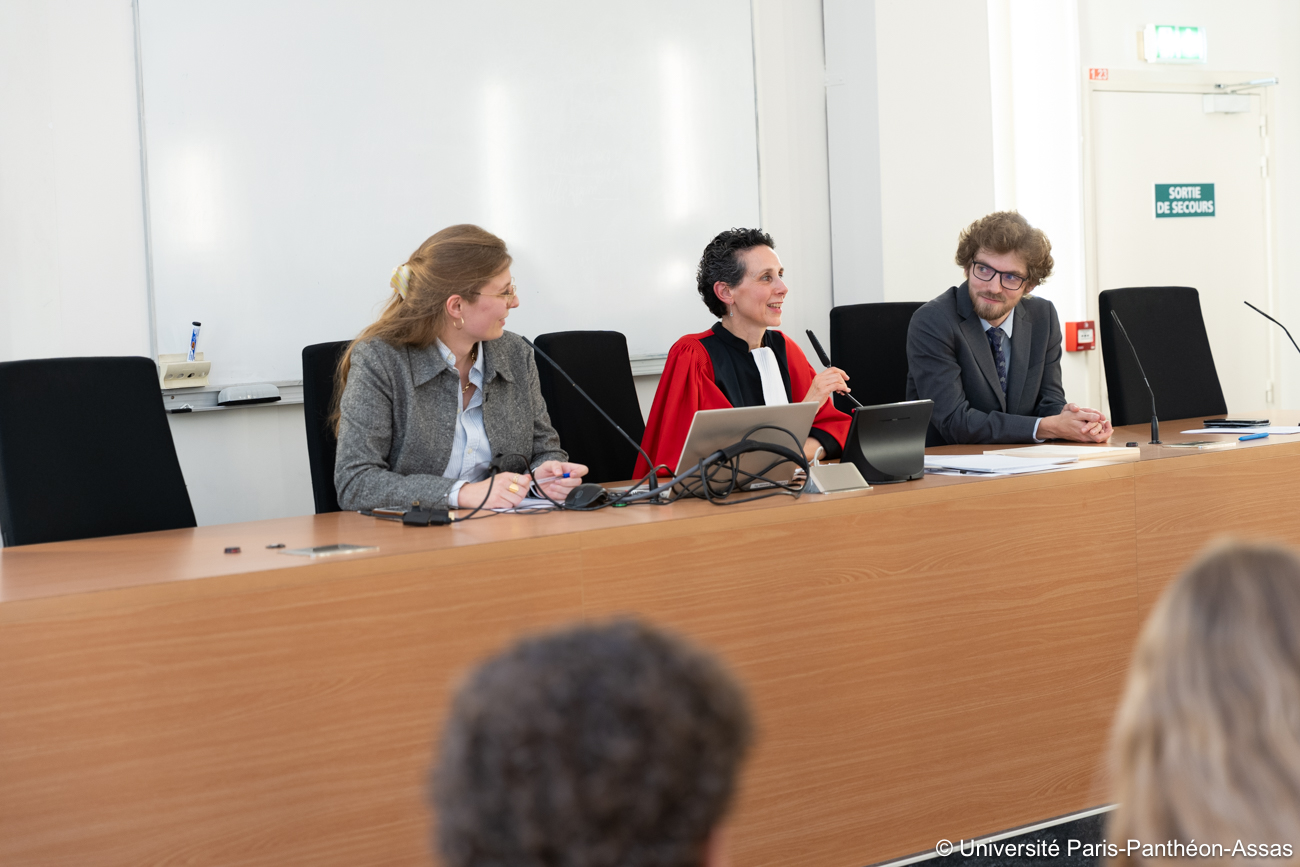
column 1141, row 136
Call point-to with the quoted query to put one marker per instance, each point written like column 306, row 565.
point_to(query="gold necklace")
column 473, row 358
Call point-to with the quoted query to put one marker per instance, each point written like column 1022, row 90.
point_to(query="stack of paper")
column 990, row 465
column 1243, row 431
column 1083, row 453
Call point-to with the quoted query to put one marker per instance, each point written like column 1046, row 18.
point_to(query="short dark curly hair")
column 598, row 744
column 722, row 262
column 1008, row 232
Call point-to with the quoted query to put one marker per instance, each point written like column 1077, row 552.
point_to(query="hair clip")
column 401, row 280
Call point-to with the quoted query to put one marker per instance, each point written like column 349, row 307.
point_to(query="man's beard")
column 991, row 311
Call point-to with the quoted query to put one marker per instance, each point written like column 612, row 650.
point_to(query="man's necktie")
column 996, row 336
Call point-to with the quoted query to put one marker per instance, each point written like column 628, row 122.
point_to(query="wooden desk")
column 935, row 659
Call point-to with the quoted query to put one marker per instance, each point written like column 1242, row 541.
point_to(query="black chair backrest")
column 1169, row 334
column 86, row 451
column 869, row 343
column 597, row 361
column 319, row 363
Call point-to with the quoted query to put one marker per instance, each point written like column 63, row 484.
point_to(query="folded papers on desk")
column 1083, row 453
column 1239, row 431
column 991, row 465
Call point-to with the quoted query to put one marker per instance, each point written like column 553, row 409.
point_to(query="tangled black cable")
column 714, row 478
column 720, row 474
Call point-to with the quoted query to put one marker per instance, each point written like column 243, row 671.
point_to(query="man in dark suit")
column 988, row 353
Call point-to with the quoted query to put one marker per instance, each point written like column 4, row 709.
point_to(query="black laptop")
column 887, row 442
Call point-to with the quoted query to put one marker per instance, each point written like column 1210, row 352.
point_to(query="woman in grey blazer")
column 435, row 397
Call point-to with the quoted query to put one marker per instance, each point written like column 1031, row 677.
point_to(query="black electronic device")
column 1155, row 422
column 586, row 496
column 826, row 359
column 1235, row 422
column 887, row 442
column 423, row 516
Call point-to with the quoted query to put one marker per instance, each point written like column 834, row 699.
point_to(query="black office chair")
column 869, row 343
column 86, row 451
column 597, row 361
column 319, row 363
column 1169, row 334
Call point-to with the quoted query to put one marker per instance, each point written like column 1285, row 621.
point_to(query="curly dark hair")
column 1008, row 232
column 722, row 261
column 612, row 744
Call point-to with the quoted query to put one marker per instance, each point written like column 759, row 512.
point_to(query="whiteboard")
column 299, row 150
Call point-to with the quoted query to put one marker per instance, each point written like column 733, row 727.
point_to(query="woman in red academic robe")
column 742, row 360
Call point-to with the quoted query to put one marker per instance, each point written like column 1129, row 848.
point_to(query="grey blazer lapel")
column 978, row 342
column 1022, row 341
column 501, row 414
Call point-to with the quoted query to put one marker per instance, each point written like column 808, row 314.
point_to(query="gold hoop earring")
column 459, row 326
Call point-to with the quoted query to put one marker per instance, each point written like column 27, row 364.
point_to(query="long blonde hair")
column 459, row 260
column 1206, row 744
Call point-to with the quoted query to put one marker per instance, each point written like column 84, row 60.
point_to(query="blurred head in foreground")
column 1206, row 744
column 614, row 744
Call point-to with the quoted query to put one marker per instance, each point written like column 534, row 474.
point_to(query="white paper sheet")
column 990, row 464
column 1243, row 431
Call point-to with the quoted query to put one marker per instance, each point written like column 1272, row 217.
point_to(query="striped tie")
column 996, row 336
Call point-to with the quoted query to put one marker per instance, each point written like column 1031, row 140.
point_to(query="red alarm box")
column 1080, row 336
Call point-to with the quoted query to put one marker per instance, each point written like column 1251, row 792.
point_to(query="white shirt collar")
column 475, row 372
column 1005, row 326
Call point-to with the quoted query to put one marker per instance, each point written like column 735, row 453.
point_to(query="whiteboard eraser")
column 240, row 395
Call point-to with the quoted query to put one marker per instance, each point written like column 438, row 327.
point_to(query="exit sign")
column 1184, row 200
column 1174, row 43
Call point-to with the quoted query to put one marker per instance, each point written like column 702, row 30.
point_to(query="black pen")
column 826, row 362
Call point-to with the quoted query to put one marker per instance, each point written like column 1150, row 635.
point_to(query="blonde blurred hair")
column 459, row 260
column 1206, row 744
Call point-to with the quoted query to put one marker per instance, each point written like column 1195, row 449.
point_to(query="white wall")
column 853, row 150
column 245, row 464
column 1037, row 153
column 936, row 138
column 72, row 278
column 793, row 176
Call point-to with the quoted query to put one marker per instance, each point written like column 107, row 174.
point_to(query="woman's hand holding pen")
column 557, row 478
column 829, row 380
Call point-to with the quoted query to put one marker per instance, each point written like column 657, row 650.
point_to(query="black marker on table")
column 826, row 361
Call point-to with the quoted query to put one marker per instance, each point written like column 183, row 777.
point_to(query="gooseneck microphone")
column 1155, row 422
column 826, row 361
column 1275, row 322
column 636, row 445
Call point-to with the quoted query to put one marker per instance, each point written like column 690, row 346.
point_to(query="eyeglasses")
column 512, row 291
column 1010, row 280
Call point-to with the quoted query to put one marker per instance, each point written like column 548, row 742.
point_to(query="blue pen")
column 1258, row 436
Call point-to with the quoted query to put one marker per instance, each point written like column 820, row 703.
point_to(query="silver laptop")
column 714, row 429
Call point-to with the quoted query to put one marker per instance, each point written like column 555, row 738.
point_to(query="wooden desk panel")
column 926, row 659
column 885, row 650
column 1249, row 492
column 293, row 725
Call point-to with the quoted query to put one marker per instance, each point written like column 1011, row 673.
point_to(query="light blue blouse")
column 471, row 454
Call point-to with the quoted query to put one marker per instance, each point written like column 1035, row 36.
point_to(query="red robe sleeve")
column 685, row 386
column 828, row 418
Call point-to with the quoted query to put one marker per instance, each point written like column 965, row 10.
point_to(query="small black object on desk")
column 1131, row 445
column 586, row 496
column 423, row 516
